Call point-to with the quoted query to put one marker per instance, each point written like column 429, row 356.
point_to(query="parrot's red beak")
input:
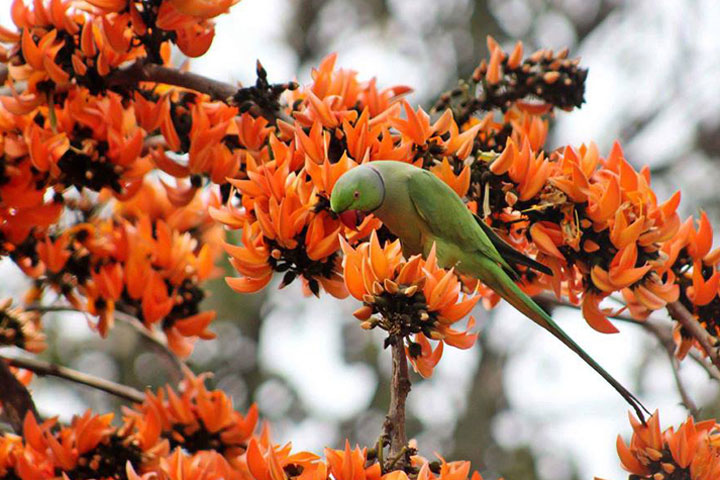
column 352, row 218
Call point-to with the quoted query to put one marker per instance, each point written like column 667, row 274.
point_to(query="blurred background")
column 518, row 405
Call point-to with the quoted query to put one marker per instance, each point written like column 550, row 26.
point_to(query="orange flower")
column 90, row 442
column 459, row 470
column 350, row 464
column 196, row 419
column 413, row 297
column 272, row 463
column 207, row 153
column 688, row 452
column 458, row 182
column 203, row 8
column 292, row 231
column 10, row 449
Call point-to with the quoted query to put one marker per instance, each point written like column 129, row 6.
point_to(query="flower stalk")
column 45, row 368
column 394, row 427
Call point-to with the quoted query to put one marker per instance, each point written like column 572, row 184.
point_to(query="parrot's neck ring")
column 382, row 182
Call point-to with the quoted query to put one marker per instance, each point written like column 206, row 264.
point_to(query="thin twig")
column 14, row 397
column 179, row 367
column 552, row 299
column 687, row 401
column 45, row 368
column 394, row 460
column 34, row 307
column 709, row 368
column 663, row 333
column 380, row 447
column 664, row 336
column 692, row 327
column 394, row 426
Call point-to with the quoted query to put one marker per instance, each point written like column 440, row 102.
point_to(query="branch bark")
column 394, row 426
column 663, row 333
column 665, row 337
column 45, row 368
column 15, row 398
column 179, row 368
column 712, row 371
column 150, row 72
column 691, row 326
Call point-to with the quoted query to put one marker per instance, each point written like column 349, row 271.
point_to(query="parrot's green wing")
column 448, row 218
column 508, row 252
column 454, row 228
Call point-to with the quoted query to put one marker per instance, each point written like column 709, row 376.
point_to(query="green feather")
column 422, row 210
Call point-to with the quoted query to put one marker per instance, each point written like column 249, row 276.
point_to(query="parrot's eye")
column 356, row 194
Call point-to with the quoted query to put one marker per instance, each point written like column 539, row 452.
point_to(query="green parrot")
column 422, row 210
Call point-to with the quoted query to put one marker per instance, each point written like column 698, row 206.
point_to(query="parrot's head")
column 358, row 191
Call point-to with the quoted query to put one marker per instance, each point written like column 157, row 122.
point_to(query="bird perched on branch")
column 423, row 211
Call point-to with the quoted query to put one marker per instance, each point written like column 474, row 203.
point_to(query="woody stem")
column 394, row 426
column 44, row 368
column 15, row 399
column 150, row 72
column 178, row 366
column 693, row 328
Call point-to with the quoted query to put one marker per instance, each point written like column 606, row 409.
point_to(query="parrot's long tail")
column 494, row 277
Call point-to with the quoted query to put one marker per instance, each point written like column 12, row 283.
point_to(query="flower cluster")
column 148, row 259
column 78, row 134
column 195, row 419
column 692, row 452
column 507, row 80
column 190, row 434
column 290, row 169
column 166, row 436
column 408, row 297
column 594, row 221
column 63, row 42
column 694, row 266
column 20, row 328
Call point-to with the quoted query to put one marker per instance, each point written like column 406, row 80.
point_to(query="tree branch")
column 394, row 426
column 552, row 299
column 687, row 401
column 215, row 89
column 665, row 337
column 139, row 71
column 150, row 72
column 663, row 333
column 692, row 327
column 709, row 368
column 178, row 366
column 15, row 398
column 45, row 368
